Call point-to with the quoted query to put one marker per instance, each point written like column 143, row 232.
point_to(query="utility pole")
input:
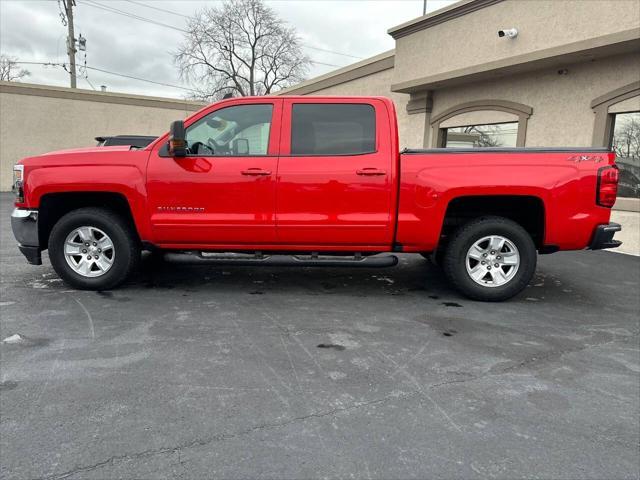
column 71, row 40
column 424, row 7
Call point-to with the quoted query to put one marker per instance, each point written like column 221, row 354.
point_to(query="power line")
column 141, row 79
column 64, row 65
column 101, row 6
column 158, row 8
column 332, row 51
column 327, row 64
column 86, row 79
column 130, row 15
column 144, row 19
column 153, row 7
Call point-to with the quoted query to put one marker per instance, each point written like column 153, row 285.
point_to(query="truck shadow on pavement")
column 410, row 277
column 413, row 277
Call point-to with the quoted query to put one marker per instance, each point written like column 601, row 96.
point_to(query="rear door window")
column 333, row 129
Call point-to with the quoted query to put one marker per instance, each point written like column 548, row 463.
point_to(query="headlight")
column 18, row 181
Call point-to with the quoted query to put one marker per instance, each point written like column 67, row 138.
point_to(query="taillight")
column 607, row 188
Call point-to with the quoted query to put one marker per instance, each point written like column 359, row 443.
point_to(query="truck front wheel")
column 93, row 249
column 490, row 259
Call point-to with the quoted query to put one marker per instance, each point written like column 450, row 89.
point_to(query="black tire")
column 126, row 247
column 455, row 261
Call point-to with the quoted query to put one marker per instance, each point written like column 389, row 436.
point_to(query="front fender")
column 126, row 180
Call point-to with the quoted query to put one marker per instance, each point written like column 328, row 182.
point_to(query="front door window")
column 241, row 130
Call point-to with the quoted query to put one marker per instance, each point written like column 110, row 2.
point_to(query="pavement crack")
column 449, row 382
column 555, row 355
column 526, row 363
column 225, row 436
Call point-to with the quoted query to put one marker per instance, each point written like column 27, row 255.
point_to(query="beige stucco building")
column 572, row 70
column 571, row 77
column 36, row 119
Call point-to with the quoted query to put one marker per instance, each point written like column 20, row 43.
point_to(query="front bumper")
column 24, row 223
column 603, row 237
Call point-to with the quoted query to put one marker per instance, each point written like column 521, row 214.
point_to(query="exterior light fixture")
column 508, row 32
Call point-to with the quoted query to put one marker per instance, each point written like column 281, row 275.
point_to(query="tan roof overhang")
column 582, row 51
column 458, row 9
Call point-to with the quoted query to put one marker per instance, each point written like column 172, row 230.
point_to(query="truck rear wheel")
column 490, row 259
column 93, row 249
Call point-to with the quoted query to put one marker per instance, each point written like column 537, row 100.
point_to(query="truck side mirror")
column 240, row 146
column 177, row 142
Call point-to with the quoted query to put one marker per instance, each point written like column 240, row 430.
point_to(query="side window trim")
column 304, row 155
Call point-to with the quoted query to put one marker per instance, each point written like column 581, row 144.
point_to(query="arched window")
column 483, row 123
column 617, row 126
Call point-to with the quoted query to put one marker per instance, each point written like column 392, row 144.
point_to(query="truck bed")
column 552, row 185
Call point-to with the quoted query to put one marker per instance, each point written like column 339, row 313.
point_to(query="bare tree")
column 626, row 145
column 487, row 135
column 9, row 69
column 241, row 47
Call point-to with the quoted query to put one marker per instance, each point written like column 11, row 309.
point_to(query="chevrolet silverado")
column 311, row 181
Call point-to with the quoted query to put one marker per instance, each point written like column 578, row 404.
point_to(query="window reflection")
column 625, row 142
column 482, row 136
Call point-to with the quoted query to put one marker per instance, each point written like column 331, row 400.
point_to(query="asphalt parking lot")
column 206, row 372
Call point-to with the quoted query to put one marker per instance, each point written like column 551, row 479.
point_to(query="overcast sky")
column 31, row 30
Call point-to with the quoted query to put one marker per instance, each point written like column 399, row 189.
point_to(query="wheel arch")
column 53, row 206
column 526, row 210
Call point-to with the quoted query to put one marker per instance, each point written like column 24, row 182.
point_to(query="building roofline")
column 441, row 15
column 363, row 68
column 20, row 88
column 581, row 51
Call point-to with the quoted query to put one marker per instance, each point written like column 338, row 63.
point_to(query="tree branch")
column 240, row 46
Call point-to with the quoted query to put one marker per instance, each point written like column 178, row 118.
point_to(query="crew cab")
column 311, row 181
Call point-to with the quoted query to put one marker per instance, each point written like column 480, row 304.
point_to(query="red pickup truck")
column 311, row 181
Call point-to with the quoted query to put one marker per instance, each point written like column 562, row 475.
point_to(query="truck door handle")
column 371, row 172
column 256, row 172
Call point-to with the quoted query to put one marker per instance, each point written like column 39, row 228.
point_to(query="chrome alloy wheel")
column 492, row 261
column 89, row 251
